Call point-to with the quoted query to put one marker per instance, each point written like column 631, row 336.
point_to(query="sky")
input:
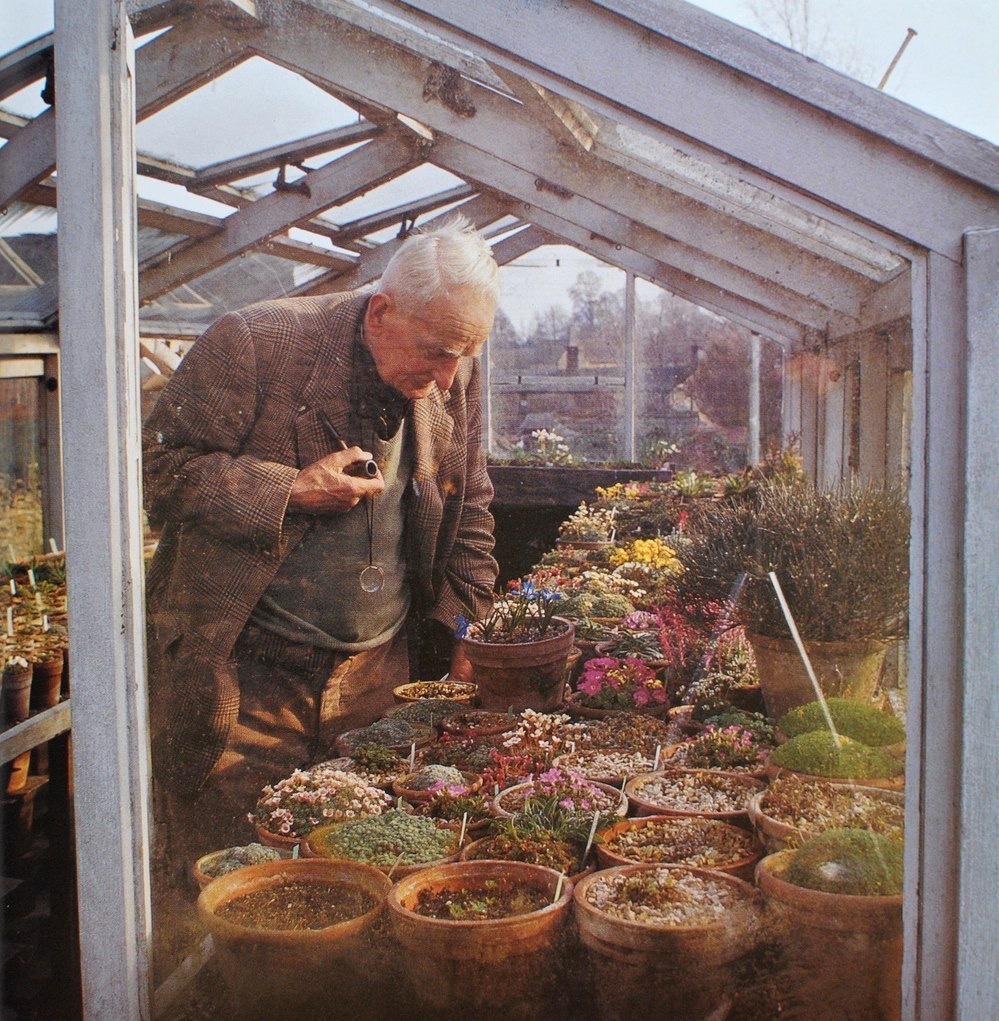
column 950, row 69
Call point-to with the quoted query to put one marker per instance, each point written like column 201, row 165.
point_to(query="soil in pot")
column 793, row 809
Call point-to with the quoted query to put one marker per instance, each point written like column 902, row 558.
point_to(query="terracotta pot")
column 619, row 798
column 286, row 972
column 645, row 804
column 574, row 706
column 455, row 691
column 776, row 835
column 504, row 967
column 742, row 866
column 47, row 683
column 843, row 670
column 618, row 766
column 827, row 937
column 685, row 971
column 313, row 847
column 478, row 723
column 887, row 783
column 423, row 735
column 201, row 869
column 416, row 796
column 513, row 676
column 280, row 841
column 17, row 693
column 473, row 852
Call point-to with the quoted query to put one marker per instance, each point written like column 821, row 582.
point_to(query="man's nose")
column 445, row 372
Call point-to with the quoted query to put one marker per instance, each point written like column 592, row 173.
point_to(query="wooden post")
column 753, row 448
column 630, row 345
column 977, row 978
column 98, row 313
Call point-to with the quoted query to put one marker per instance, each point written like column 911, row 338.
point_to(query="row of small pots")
column 644, row 944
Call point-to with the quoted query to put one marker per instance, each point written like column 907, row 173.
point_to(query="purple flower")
column 461, row 623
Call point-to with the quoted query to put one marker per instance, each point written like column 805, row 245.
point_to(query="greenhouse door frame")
column 951, row 912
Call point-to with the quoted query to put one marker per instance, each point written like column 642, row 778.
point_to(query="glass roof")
column 24, row 20
column 253, row 106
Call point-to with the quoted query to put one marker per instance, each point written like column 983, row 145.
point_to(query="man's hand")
column 461, row 667
column 323, row 487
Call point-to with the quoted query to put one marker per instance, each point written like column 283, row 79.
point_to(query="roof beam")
column 167, row 68
column 524, row 241
column 279, row 155
column 481, row 210
column 335, row 183
column 26, row 64
column 406, row 211
column 851, row 146
column 367, row 63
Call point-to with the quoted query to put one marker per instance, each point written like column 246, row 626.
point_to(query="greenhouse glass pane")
column 253, row 106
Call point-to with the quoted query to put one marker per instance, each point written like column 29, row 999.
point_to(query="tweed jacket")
column 222, row 447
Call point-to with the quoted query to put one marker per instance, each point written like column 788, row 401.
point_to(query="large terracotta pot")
column 843, row 670
column 503, row 967
column 679, row 971
column 513, row 676
column 843, row 954
column 274, row 973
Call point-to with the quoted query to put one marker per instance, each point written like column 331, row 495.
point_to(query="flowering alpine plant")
column 294, row 806
column 726, row 748
column 525, row 614
column 542, row 736
column 608, row 682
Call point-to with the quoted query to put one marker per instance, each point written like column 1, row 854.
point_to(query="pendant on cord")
column 372, row 578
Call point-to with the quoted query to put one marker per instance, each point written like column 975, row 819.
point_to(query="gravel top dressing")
column 666, row 897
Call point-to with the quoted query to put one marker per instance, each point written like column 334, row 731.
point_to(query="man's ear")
column 378, row 306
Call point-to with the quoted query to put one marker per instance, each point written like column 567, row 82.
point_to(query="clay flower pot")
column 283, row 972
column 472, row 782
column 513, row 676
column 827, row 936
column 843, row 670
column 17, row 691
column 456, row 691
column 711, row 793
column 489, row 967
column 679, row 840
column 676, row 953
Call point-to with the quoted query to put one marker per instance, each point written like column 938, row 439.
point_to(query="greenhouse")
column 603, row 763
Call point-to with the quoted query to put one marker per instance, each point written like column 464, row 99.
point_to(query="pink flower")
column 590, row 684
column 642, row 696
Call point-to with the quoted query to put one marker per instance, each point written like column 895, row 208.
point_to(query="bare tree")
column 805, row 27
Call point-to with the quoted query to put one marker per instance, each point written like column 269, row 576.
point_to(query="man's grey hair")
column 431, row 263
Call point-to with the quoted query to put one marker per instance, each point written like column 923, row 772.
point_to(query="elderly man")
column 288, row 580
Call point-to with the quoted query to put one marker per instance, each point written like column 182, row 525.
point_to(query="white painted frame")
column 101, row 455
column 953, row 808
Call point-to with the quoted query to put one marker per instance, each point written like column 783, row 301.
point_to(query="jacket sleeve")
column 194, row 470
column 470, row 569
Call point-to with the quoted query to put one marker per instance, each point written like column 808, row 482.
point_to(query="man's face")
column 414, row 350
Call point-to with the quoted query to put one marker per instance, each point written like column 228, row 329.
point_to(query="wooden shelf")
column 38, row 728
